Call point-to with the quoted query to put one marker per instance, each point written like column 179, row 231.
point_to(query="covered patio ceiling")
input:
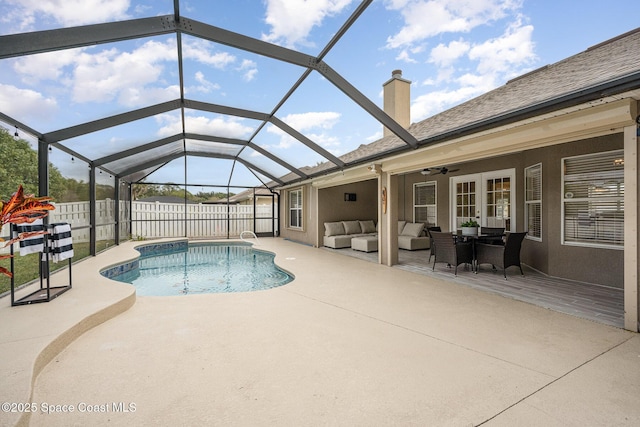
column 242, row 143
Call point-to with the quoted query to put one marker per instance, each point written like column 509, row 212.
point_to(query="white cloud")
column 291, row 21
column 26, row 104
column 312, row 120
column 133, row 78
column 229, row 127
column 130, row 77
column 308, row 124
column 428, row 18
column 434, row 102
column 250, row 75
column 249, row 69
column 325, row 141
column 134, row 97
column 514, row 48
column 445, row 55
column 374, row 137
column 465, row 69
column 405, row 57
column 108, row 74
column 205, row 85
column 71, row 12
column 201, row 51
column 45, row 66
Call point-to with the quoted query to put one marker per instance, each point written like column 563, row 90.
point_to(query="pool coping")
column 129, row 264
column 39, row 332
column 93, row 300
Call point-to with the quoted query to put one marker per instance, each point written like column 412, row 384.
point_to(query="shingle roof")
column 247, row 194
column 606, row 62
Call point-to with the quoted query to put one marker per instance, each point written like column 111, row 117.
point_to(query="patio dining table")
column 482, row 238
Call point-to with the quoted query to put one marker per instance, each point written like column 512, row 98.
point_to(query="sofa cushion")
column 333, row 228
column 352, row 227
column 401, row 226
column 412, row 229
column 413, row 243
column 367, row 226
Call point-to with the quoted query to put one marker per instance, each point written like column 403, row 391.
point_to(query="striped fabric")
column 61, row 245
column 32, row 244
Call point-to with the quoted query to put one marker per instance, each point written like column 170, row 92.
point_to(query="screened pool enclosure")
column 196, row 130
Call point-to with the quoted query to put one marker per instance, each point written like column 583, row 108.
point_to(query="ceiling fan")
column 435, row 171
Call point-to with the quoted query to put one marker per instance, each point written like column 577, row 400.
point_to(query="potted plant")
column 470, row 228
column 21, row 209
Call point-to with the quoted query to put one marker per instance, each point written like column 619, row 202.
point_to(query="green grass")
column 26, row 267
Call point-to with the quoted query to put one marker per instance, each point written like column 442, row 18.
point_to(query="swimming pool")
column 195, row 268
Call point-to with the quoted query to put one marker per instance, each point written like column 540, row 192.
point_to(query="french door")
column 487, row 197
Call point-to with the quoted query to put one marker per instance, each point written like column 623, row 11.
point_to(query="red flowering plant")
column 21, row 209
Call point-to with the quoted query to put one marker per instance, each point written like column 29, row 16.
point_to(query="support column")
column 631, row 187
column 92, row 211
column 388, row 227
column 311, row 220
column 116, row 210
column 43, row 168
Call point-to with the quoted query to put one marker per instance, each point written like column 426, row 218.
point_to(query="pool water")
column 200, row 268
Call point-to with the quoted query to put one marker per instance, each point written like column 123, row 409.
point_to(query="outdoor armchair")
column 501, row 256
column 432, row 252
column 492, row 235
column 450, row 251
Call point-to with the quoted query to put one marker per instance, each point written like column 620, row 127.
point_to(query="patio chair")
column 449, row 251
column 492, row 235
column 432, row 251
column 501, row 256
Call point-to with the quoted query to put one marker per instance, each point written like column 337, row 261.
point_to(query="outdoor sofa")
column 339, row 234
column 412, row 236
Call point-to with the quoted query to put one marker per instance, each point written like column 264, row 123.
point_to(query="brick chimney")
column 397, row 98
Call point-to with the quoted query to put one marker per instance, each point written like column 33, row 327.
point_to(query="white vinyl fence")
column 155, row 219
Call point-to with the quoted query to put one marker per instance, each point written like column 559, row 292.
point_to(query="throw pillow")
column 367, row 226
column 352, row 227
column 401, row 226
column 412, row 229
column 333, row 229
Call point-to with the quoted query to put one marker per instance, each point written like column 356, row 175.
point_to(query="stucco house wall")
column 330, row 206
column 594, row 265
column 308, row 233
column 333, row 207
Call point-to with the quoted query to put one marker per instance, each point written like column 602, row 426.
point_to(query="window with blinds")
column 424, row 203
column 593, row 200
column 533, row 201
column 295, row 208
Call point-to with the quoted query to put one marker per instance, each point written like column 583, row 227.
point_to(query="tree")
column 20, row 167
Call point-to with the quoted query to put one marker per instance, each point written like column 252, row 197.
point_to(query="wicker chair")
column 492, row 235
column 451, row 252
column 432, row 251
column 501, row 256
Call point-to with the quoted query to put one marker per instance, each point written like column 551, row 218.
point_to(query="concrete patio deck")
column 347, row 342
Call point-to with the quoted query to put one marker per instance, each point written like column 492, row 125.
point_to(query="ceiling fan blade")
column 437, row 170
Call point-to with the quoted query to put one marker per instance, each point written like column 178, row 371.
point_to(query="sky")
column 451, row 51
